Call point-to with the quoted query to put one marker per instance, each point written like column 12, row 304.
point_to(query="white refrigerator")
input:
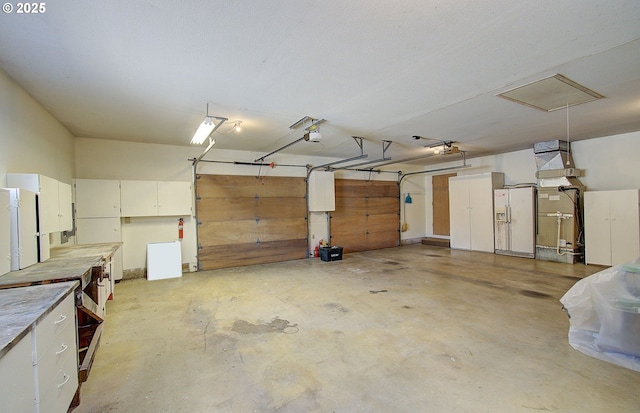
column 514, row 217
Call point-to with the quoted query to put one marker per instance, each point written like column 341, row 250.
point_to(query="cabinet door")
column 24, row 231
column 98, row 230
column 597, row 227
column 459, row 213
column 97, row 198
column 65, row 208
column 174, row 198
column 139, row 198
column 625, row 226
column 481, row 213
column 5, row 232
column 16, row 370
column 522, row 219
column 49, row 205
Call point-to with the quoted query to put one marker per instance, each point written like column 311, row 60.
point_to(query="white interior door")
column 459, row 213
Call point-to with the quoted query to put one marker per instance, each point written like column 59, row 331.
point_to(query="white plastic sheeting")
column 604, row 314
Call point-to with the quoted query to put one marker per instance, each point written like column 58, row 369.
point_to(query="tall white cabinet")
column 612, row 226
column 471, row 210
column 98, row 218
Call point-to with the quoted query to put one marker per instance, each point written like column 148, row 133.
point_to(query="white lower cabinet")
column 40, row 373
column 612, row 226
column 56, row 362
column 18, row 390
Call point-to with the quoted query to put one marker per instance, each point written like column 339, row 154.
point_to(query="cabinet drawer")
column 54, row 323
column 57, row 373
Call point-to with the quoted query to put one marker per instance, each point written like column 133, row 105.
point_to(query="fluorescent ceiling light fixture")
column 551, row 93
column 205, row 129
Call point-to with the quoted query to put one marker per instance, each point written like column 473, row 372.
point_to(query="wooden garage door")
column 248, row 220
column 367, row 215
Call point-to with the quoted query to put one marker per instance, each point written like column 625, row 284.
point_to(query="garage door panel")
column 382, row 240
column 226, row 209
column 226, row 186
column 382, row 206
column 350, row 241
column 231, row 232
column 382, row 223
column 351, row 206
column 225, row 256
column 232, row 209
column 232, row 186
column 346, row 223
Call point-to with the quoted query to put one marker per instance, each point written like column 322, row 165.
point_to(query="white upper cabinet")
column 174, row 198
column 138, row 198
column 322, row 193
column 155, row 198
column 54, row 201
column 97, row 198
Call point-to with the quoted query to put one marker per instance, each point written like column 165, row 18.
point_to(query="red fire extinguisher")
column 180, row 228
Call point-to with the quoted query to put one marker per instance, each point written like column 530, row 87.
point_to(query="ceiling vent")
column 551, row 93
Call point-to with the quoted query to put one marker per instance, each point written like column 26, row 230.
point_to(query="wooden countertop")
column 66, row 264
column 21, row 308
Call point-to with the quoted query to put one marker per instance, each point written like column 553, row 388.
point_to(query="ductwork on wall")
column 559, row 235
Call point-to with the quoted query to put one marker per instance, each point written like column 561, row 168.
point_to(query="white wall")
column 609, row 163
column 31, row 140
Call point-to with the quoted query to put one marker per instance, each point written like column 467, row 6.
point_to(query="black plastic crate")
column 331, row 253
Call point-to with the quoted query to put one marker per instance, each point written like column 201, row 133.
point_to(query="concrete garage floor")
column 410, row 329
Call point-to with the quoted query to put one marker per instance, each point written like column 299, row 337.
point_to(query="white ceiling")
column 145, row 70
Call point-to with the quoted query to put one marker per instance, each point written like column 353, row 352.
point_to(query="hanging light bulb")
column 238, row 128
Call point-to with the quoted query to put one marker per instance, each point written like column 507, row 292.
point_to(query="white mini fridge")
column 514, row 217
